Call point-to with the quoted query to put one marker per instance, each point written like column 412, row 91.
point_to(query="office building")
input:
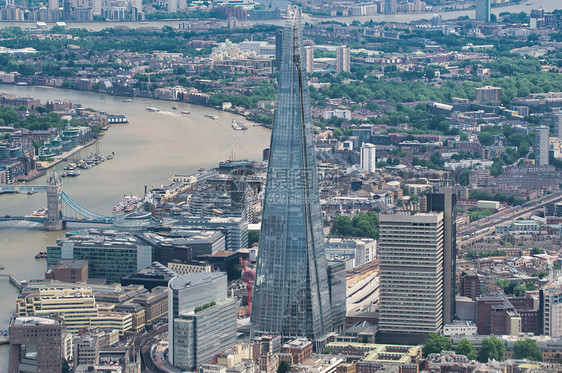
column 150, row 277
column 86, row 349
column 155, row 304
column 355, row 251
column 299, row 348
column 551, row 308
column 35, row 345
column 78, row 302
column 292, row 287
column 69, row 271
column 445, row 201
column 368, row 159
column 201, row 319
column 411, row 276
column 185, row 246
column 541, row 145
column 496, row 315
column 553, row 209
column 110, row 255
column 235, row 229
column 483, row 10
column 469, row 285
column 530, row 316
column 389, row 6
column 343, row 61
column 488, row 94
column 185, row 268
column 75, row 306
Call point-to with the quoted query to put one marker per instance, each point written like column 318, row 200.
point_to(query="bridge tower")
column 53, row 221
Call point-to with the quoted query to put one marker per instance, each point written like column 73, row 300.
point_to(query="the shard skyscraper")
column 293, row 288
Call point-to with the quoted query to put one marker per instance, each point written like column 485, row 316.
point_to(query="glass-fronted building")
column 292, row 289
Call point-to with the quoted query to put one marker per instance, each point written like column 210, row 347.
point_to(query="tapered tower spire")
column 292, row 288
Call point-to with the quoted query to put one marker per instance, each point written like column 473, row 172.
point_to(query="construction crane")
column 248, row 275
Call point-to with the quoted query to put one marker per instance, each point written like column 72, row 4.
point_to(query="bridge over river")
column 57, row 202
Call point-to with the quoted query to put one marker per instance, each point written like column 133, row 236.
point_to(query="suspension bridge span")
column 61, row 208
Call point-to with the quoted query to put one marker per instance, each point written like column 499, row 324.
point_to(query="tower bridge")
column 57, row 201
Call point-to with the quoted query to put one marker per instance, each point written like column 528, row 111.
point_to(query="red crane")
column 248, row 275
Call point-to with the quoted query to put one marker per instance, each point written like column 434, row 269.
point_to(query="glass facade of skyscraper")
column 292, row 288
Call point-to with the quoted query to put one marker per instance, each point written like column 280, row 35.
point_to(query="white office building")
column 411, row 276
column 202, row 318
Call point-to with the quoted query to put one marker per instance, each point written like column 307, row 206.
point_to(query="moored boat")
column 40, row 212
column 238, row 126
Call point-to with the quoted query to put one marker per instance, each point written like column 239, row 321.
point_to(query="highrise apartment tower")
column 342, row 60
column 389, row 6
column 483, row 10
column 292, row 287
column 368, row 159
column 411, row 277
column 172, row 6
column 558, row 124
column 541, row 145
column 309, row 60
column 96, row 7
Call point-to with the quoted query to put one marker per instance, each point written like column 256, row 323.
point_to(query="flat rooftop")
column 70, row 264
column 32, row 320
column 194, row 279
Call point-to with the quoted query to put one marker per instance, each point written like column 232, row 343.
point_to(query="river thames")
column 148, row 151
column 525, row 6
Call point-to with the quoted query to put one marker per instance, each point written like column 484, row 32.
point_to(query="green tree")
column 429, row 72
column 527, row 349
column 464, row 177
column 284, row 367
column 253, row 237
column 486, row 138
column 492, row 348
column 362, row 225
column 466, row 348
column 436, row 343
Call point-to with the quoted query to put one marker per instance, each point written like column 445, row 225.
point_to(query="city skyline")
column 405, row 176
